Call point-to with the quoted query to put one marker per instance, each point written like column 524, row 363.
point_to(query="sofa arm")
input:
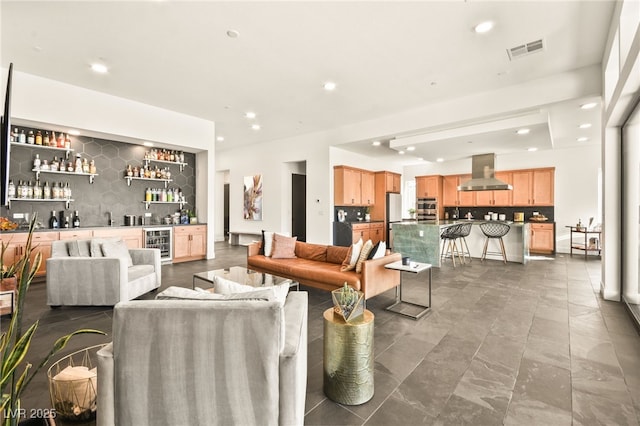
column 148, row 256
column 376, row 278
column 106, row 387
column 253, row 249
column 293, row 360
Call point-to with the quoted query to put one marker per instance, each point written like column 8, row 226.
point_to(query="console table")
column 586, row 246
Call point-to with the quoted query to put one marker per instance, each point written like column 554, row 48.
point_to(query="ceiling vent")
column 525, row 49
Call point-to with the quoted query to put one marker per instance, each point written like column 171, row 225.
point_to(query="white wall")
column 576, row 181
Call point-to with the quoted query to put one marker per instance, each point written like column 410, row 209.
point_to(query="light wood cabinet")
column 454, row 198
column 533, row 187
column 41, row 243
column 360, row 230
column 429, row 186
column 495, row 198
column 76, row 234
column 393, row 182
column 353, row 187
column 541, row 238
column 189, row 243
column 376, row 232
column 132, row 237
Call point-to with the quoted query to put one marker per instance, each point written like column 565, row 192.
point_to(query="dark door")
column 299, row 206
column 226, row 211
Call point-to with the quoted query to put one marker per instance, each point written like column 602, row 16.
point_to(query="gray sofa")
column 79, row 273
column 204, row 362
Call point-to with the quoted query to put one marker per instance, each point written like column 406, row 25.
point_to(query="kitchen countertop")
column 89, row 228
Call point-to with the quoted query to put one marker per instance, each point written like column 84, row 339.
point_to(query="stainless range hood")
column 483, row 175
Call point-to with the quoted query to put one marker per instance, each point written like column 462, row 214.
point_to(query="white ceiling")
column 386, row 57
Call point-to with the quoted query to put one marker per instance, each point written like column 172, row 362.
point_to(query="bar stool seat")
column 495, row 231
column 449, row 236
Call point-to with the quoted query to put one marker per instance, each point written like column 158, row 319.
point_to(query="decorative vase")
column 367, row 217
column 348, row 303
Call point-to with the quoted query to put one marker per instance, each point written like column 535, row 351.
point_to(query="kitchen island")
column 421, row 241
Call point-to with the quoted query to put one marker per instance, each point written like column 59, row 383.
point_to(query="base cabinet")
column 131, row 237
column 189, row 243
column 542, row 238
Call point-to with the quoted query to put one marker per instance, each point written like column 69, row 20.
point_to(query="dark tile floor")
column 504, row 344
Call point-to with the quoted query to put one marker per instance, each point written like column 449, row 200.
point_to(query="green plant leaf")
column 17, row 354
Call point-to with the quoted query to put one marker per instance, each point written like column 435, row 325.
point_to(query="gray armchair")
column 79, row 272
column 204, row 362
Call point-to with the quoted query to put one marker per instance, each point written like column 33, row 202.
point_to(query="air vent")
column 525, row 49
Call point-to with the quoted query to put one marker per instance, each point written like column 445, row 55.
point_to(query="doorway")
column 299, row 206
column 226, row 211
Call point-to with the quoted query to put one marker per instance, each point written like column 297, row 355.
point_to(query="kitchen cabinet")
column 542, row 238
column 132, row 237
column 41, row 243
column 533, row 187
column 353, row 187
column 189, row 243
column 495, row 198
column 376, row 232
column 393, row 182
column 454, row 198
column 429, row 187
column 360, row 230
column 76, row 234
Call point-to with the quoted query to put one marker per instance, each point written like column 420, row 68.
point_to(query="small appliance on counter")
column 518, row 216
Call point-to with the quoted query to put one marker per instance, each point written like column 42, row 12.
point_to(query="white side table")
column 414, row 268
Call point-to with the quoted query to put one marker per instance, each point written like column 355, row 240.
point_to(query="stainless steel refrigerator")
column 394, row 214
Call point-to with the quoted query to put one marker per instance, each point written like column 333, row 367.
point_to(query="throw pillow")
column 381, row 251
column 349, row 263
column 373, row 251
column 181, row 293
column 366, row 248
column 117, row 249
column 283, row 247
column 73, row 248
column 73, row 382
column 224, row 286
column 261, row 250
column 268, row 243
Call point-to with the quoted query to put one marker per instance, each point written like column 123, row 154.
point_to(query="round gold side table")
column 348, row 358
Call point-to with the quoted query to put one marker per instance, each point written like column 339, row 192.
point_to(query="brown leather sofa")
column 319, row 265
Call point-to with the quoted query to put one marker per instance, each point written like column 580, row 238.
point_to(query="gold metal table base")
column 348, row 358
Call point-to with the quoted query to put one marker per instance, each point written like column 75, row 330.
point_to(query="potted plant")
column 15, row 341
column 367, row 213
column 412, row 212
column 348, row 303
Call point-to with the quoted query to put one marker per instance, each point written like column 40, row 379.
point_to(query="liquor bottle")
column 53, row 221
column 11, row 190
column 55, row 191
column 60, row 140
column 78, row 165
column 66, row 193
column 22, row 138
column 36, row 162
column 66, row 221
column 55, row 165
column 76, row 220
column 46, row 191
column 67, row 141
column 52, row 140
column 38, row 137
column 31, row 137
column 29, row 190
column 37, row 190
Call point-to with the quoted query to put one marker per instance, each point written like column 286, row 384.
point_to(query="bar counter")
column 421, row 241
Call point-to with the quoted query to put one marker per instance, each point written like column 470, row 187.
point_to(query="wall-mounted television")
column 5, row 138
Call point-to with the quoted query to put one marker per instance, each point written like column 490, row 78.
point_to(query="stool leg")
column 460, row 250
column 464, row 241
column 451, row 248
column 484, row 250
column 504, row 253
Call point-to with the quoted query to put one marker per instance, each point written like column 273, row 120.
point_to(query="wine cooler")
column 160, row 238
column 427, row 210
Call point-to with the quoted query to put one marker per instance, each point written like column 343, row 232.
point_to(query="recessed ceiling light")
column 483, row 27
column 233, row 33
column 439, row 160
column 588, row 105
column 220, row 138
column 329, row 86
column 99, row 68
column 255, row 126
column 523, row 131
column 376, row 143
column 147, row 144
column 74, row 132
column 401, row 152
column 250, row 114
column 585, row 125
column 582, row 139
column 411, row 148
column 532, row 149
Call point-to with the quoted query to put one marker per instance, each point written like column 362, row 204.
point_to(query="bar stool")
column 465, row 230
column 449, row 236
column 494, row 230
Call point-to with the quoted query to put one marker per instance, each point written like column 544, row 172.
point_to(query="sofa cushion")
column 336, row 254
column 181, row 293
column 364, row 253
column 328, row 273
column 117, row 249
column 283, row 247
column 138, row 271
column 224, row 286
column 312, row 251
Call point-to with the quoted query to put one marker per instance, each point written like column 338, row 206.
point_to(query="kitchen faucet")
column 110, row 218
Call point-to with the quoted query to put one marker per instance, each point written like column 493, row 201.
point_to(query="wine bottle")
column 76, row 220
column 53, row 221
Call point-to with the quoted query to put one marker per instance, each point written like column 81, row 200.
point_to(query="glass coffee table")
column 245, row 276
